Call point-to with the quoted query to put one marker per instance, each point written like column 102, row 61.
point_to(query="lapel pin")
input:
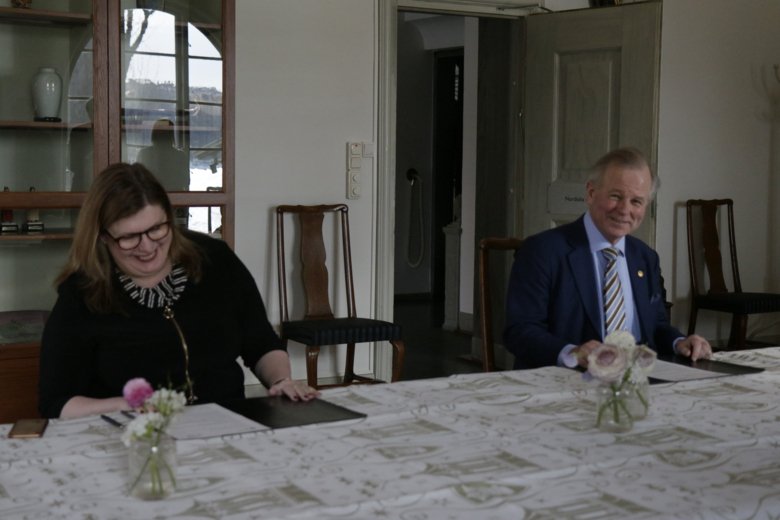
column 640, row 274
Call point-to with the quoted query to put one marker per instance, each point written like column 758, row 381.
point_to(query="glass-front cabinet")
column 88, row 83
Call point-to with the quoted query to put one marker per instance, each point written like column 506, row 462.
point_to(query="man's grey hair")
column 628, row 157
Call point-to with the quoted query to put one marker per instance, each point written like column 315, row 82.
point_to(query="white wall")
column 715, row 136
column 305, row 85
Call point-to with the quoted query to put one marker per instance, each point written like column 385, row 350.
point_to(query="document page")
column 211, row 420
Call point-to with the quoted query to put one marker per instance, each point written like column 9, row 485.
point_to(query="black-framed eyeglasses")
column 131, row 241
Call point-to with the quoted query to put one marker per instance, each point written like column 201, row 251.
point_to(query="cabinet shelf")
column 74, row 199
column 43, row 125
column 41, row 199
column 42, row 17
column 52, row 234
column 184, row 128
column 203, row 26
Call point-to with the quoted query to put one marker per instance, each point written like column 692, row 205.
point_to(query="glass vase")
column 612, row 408
column 639, row 400
column 151, row 467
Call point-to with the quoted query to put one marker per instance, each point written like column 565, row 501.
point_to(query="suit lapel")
column 583, row 271
column 640, row 278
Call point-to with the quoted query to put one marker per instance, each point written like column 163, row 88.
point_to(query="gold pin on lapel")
column 640, row 274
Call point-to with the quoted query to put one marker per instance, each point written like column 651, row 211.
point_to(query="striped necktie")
column 614, row 314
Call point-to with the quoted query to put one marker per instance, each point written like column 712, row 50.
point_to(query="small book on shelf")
column 9, row 227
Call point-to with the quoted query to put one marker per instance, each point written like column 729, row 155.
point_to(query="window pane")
column 172, row 95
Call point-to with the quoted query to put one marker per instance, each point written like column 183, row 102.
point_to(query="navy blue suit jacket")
column 552, row 299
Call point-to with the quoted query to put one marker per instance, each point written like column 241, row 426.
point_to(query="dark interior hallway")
column 430, row 351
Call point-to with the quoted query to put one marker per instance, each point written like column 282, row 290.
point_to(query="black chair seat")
column 740, row 303
column 340, row 330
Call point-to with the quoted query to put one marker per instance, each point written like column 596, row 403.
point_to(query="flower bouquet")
column 152, row 453
column 621, row 366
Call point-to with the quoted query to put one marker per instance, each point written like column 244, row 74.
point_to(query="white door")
column 591, row 86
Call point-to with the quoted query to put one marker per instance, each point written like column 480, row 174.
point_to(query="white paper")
column 674, row 372
column 211, row 420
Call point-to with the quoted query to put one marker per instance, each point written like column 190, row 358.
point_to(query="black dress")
column 222, row 318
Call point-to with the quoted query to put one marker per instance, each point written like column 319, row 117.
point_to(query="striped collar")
column 167, row 291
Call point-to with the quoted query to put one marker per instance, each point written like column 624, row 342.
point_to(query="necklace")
column 164, row 295
column 189, row 386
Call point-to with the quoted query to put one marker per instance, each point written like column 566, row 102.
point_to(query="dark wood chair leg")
column 312, row 354
column 738, row 334
column 692, row 319
column 398, row 359
column 349, row 369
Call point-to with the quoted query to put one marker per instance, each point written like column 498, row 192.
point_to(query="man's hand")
column 583, row 350
column 694, row 347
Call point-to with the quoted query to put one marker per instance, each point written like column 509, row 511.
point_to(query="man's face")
column 617, row 204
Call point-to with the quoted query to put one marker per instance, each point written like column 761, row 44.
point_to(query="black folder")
column 281, row 412
column 721, row 368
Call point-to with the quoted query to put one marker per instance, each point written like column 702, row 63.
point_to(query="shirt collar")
column 597, row 241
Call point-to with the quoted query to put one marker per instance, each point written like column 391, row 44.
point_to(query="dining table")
column 518, row 444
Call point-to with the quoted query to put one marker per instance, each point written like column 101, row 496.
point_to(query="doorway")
column 429, row 183
column 429, row 137
column 429, row 146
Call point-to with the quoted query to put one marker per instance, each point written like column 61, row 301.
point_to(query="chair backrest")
column 705, row 222
column 485, row 294
column 314, row 270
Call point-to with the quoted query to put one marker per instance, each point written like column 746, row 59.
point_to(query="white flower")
column 143, row 427
column 621, row 338
column 166, row 401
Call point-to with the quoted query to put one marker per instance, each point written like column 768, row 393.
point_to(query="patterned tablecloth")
column 510, row 445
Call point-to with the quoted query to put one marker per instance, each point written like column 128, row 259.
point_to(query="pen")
column 128, row 414
column 112, row 421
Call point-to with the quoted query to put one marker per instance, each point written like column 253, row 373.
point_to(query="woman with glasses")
column 139, row 297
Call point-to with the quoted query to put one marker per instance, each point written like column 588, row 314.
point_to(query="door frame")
column 384, row 281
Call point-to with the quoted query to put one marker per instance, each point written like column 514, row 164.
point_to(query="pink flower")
column 137, row 391
column 607, row 363
column 645, row 358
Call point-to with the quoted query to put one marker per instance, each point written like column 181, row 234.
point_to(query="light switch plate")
column 354, row 168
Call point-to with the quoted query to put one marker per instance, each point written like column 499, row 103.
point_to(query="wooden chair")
column 319, row 326
column 711, row 291
column 486, row 323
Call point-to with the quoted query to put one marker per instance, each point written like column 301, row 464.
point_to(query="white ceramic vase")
column 47, row 93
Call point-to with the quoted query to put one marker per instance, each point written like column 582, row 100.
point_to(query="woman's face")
column 147, row 262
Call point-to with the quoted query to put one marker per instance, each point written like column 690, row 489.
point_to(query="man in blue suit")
column 554, row 310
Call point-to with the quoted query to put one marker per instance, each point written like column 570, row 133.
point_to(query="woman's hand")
column 275, row 367
column 80, row 406
column 295, row 390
